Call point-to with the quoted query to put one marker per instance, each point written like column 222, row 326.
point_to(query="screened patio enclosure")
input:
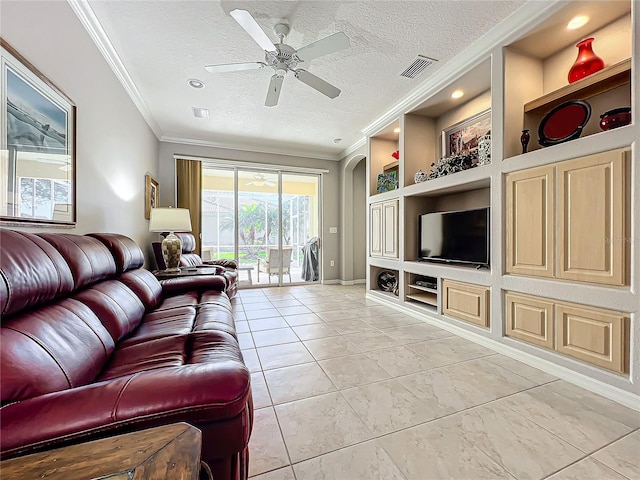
column 263, row 219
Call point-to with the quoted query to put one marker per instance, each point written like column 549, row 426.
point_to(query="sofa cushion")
column 162, row 323
column 89, row 259
column 115, row 304
column 39, row 356
column 33, row 272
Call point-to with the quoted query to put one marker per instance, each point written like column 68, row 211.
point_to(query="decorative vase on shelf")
column 484, row 150
column 618, row 117
column 586, row 63
column 524, row 140
column 420, row 177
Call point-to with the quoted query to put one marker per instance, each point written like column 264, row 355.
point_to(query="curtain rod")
column 242, row 164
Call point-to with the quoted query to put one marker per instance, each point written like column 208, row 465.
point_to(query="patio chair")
column 271, row 265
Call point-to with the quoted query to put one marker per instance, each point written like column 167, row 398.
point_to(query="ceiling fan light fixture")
column 282, row 57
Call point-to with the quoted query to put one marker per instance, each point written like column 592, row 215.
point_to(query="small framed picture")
column 151, row 195
column 463, row 137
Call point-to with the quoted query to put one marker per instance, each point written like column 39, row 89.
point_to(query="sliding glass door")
column 268, row 220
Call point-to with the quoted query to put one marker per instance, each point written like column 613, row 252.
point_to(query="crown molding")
column 349, row 150
column 290, row 152
column 515, row 25
column 87, row 17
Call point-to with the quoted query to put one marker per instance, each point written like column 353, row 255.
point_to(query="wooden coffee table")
column 169, row 452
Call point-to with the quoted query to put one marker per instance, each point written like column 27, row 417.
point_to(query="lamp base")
column 171, row 250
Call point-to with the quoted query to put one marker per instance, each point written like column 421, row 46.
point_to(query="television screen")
column 461, row 236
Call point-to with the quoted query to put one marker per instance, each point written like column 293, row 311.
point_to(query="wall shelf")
column 595, row 84
column 427, row 298
column 424, row 289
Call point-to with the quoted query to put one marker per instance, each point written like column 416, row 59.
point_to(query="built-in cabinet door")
column 591, row 218
column 529, row 319
column 592, row 335
column 530, row 210
column 375, row 230
column 390, row 229
column 466, row 302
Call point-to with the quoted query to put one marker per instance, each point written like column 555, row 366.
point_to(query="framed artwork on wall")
column 37, row 146
column 151, row 195
column 463, row 137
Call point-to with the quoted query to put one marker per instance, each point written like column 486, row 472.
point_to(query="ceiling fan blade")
column 317, row 83
column 234, row 67
column 249, row 24
column 274, row 91
column 330, row 44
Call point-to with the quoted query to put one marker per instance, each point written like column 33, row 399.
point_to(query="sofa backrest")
column 125, row 251
column 33, row 272
column 88, row 258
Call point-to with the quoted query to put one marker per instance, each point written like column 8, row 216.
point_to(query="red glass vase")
column 586, row 63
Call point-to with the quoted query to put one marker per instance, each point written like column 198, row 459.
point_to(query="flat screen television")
column 457, row 237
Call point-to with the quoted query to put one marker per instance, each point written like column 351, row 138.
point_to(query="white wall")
column 347, row 242
column 360, row 221
column 115, row 147
column 330, row 195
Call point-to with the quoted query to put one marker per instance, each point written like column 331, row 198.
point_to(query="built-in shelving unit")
column 520, row 81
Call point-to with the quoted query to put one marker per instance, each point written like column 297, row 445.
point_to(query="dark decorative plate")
column 387, row 281
column 565, row 122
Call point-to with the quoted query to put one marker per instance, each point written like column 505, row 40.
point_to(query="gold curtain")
column 189, row 185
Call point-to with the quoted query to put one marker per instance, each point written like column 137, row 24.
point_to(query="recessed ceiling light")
column 396, row 130
column 195, row 83
column 337, row 140
column 200, row 112
column 457, row 94
column 577, row 22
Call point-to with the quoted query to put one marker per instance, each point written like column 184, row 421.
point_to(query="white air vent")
column 200, row 112
column 417, row 66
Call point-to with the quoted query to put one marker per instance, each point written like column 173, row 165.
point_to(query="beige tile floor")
column 347, row 389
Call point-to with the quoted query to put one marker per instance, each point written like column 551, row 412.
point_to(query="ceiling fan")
column 259, row 180
column 283, row 58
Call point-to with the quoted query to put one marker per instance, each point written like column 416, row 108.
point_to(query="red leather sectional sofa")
column 92, row 345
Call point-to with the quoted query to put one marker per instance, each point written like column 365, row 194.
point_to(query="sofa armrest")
column 223, row 263
column 200, row 283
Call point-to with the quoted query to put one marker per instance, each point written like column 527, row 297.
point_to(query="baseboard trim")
column 353, row 282
column 628, row 399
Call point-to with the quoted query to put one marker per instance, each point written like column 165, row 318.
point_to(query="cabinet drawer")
column 592, row 335
column 466, row 302
column 529, row 319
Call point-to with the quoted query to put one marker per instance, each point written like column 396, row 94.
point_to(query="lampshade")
column 170, row 220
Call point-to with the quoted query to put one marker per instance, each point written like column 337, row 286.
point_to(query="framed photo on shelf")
column 151, row 195
column 37, row 146
column 463, row 137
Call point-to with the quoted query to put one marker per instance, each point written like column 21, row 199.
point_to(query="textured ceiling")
column 162, row 44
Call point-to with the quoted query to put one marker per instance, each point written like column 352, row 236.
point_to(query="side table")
column 189, row 272
column 168, row 452
column 248, row 270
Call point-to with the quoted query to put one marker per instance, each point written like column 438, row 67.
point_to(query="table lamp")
column 170, row 220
